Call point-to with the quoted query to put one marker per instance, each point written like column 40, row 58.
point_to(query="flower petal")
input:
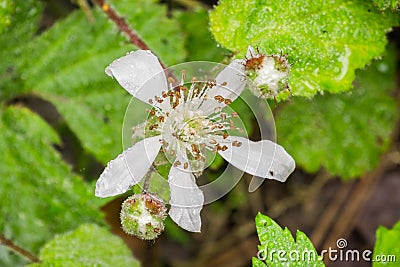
column 186, row 199
column 139, row 70
column 230, row 83
column 128, row 168
column 264, row 158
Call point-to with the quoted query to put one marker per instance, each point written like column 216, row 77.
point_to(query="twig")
column 301, row 196
column 331, row 213
column 123, row 26
column 10, row 244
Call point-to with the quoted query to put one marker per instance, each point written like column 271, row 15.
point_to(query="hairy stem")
column 124, row 27
column 9, row 244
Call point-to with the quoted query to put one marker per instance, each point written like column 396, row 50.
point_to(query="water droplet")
column 382, row 67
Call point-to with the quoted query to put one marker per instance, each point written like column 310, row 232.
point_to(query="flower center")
column 189, row 130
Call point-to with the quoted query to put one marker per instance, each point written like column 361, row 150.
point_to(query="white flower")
column 185, row 124
column 269, row 73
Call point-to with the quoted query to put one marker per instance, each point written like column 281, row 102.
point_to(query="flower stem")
column 146, row 182
column 123, row 26
column 10, row 244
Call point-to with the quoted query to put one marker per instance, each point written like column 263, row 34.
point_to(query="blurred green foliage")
column 6, row 9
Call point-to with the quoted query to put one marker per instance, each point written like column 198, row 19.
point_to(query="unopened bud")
column 143, row 215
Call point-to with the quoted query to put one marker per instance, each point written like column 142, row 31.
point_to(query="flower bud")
column 269, row 73
column 143, row 215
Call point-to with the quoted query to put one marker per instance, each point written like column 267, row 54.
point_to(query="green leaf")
column 199, row 42
column 88, row 245
column 347, row 133
column 23, row 21
column 6, row 9
column 278, row 247
column 39, row 194
column 326, row 40
column 387, row 250
column 166, row 40
column 386, row 4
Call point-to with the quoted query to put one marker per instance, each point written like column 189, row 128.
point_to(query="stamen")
column 195, row 149
column 219, row 98
column 154, row 126
column 183, row 77
column 227, row 101
column 177, row 163
column 236, row 143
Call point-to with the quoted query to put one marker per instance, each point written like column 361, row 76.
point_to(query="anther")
column 227, row 101
column 236, row 143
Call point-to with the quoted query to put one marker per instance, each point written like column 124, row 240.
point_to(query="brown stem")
column 123, row 26
column 9, row 244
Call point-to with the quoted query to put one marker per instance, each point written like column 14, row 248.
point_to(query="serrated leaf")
column 387, row 249
column 23, row 23
column 327, row 40
column 39, row 194
column 347, row 133
column 278, row 248
column 387, row 4
column 88, row 245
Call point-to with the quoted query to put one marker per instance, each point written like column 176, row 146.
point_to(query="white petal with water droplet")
column 128, row 168
column 234, row 81
column 186, row 199
column 140, row 73
column 264, row 158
